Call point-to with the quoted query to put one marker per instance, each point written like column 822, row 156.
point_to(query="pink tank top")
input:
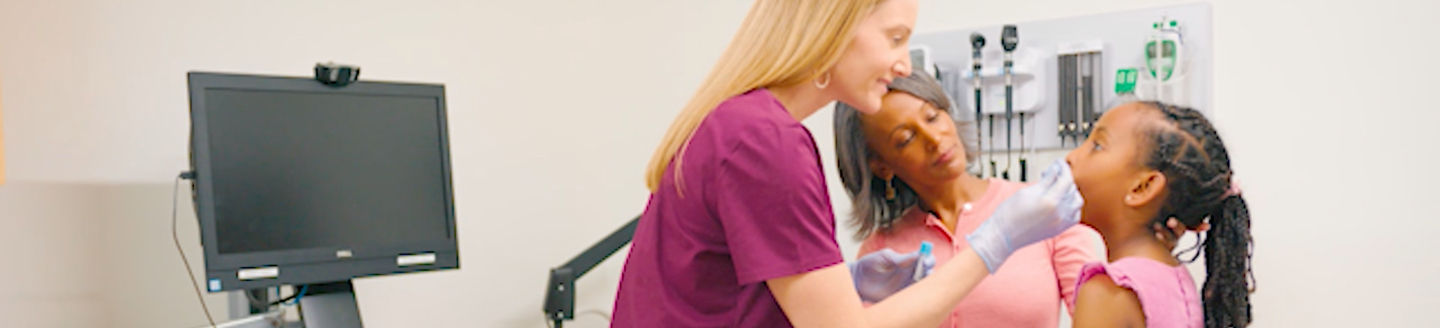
column 1167, row 293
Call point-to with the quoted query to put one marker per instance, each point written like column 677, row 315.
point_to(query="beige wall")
column 2, row 134
column 97, row 255
column 554, row 108
column 54, row 249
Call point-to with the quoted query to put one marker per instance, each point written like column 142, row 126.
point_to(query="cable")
column 175, row 235
column 297, row 295
column 993, row 171
column 300, row 310
column 293, row 298
column 1024, row 164
column 598, row 312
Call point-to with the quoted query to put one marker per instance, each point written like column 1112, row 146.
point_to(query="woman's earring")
column 822, row 85
column 889, row 189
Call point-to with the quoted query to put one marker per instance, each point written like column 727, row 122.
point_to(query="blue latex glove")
column 881, row 274
column 1035, row 213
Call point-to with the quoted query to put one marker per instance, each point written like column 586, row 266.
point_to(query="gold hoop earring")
column 822, row 85
column 889, row 189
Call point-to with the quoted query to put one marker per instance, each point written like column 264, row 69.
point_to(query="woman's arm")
column 1102, row 303
column 827, row 297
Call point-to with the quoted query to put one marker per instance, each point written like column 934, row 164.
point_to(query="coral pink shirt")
column 1026, row 291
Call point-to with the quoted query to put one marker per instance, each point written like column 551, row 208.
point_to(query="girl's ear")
column 1147, row 188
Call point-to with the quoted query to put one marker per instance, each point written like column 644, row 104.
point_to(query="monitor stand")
column 330, row 305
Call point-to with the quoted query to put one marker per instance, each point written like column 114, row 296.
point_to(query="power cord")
column 175, row 235
column 284, row 306
column 293, row 298
column 597, row 312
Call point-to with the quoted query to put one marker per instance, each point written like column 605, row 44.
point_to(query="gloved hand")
column 881, row 274
column 1035, row 213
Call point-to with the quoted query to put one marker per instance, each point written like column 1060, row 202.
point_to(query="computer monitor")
column 300, row 183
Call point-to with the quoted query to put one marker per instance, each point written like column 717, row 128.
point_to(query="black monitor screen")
column 298, row 170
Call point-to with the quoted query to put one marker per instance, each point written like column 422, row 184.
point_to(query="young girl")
column 1143, row 164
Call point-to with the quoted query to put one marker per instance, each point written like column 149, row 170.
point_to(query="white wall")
column 554, row 108
column 551, row 104
column 1323, row 106
column 52, row 252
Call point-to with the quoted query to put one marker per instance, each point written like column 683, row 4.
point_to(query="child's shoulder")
column 1101, row 302
column 1135, row 273
column 1162, row 293
column 1138, row 272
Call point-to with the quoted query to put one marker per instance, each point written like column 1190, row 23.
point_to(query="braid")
column 1196, row 166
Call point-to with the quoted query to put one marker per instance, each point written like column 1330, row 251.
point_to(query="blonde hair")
column 780, row 43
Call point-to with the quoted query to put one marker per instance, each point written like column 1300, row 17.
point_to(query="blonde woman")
column 739, row 232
